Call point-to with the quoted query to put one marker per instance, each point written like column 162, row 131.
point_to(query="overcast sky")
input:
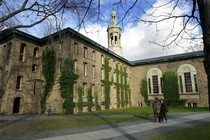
column 137, row 37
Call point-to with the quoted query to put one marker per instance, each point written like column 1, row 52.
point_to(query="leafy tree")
column 66, row 85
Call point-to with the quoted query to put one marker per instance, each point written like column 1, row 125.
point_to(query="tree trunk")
column 204, row 6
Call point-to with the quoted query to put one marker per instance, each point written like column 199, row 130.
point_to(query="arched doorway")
column 16, row 105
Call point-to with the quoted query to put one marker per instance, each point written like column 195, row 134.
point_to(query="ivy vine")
column 80, row 101
column 90, row 100
column 66, row 85
column 97, row 106
column 144, row 91
column 106, row 82
column 170, row 86
column 48, row 70
column 123, row 97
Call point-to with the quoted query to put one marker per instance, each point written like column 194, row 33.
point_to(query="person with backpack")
column 163, row 111
column 156, row 109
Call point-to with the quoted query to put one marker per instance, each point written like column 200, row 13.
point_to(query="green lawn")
column 200, row 132
column 136, row 114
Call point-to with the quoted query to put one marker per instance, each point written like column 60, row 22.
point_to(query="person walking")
column 156, row 109
column 163, row 111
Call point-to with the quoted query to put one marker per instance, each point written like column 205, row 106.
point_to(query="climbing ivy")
column 90, row 100
column 171, row 88
column 48, row 70
column 80, row 101
column 66, row 85
column 143, row 90
column 122, row 86
column 97, row 106
column 106, row 82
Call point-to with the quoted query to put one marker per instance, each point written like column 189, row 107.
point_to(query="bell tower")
column 114, row 35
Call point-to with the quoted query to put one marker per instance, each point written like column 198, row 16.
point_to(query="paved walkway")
column 139, row 130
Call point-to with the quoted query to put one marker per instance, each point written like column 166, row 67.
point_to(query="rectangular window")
column 22, row 52
column 102, row 59
column 196, row 83
column 188, row 82
column 115, row 77
column 93, row 90
column 180, row 84
column 84, row 89
column 149, row 85
column 102, row 90
column 102, row 73
column 161, row 82
column 85, row 69
column 93, row 71
column 75, row 66
column 75, row 90
column 85, row 52
column 19, row 82
column 93, row 55
column 75, row 48
column 155, row 84
column 34, row 67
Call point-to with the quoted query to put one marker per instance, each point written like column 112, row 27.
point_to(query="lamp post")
column 34, row 81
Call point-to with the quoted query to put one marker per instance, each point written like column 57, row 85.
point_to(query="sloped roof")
column 8, row 34
column 168, row 58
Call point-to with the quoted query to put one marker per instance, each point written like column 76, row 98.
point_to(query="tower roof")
column 113, row 22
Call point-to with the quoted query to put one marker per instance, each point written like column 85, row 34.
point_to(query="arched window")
column 187, row 76
column 154, row 80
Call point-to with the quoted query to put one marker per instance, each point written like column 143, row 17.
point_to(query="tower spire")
column 114, row 35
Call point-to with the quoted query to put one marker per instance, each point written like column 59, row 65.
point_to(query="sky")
column 141, row 40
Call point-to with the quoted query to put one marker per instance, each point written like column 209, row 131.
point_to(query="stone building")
column 22, row 81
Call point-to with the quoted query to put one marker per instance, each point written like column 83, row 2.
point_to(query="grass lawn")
column 200, row 132
column 137, row 114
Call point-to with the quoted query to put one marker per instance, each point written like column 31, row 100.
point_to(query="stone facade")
column 22, row 81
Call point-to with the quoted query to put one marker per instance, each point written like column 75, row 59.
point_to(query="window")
column 19, row 82
column 102, row 90
column 102, row 59
column 102, row 73
column 84, row 89
column 93, row 90
column 85, row 53
column 154, row 79
column 36, row 52
column 75, row 66
column 93, row 71
column 75, row 48
column 34, row 67
column 75, row 89
column 155, row 84
column 22, row 52
column 93, row 55
column 149, row 86
column 188, row 82
column 85, row 69
column 196, row 82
